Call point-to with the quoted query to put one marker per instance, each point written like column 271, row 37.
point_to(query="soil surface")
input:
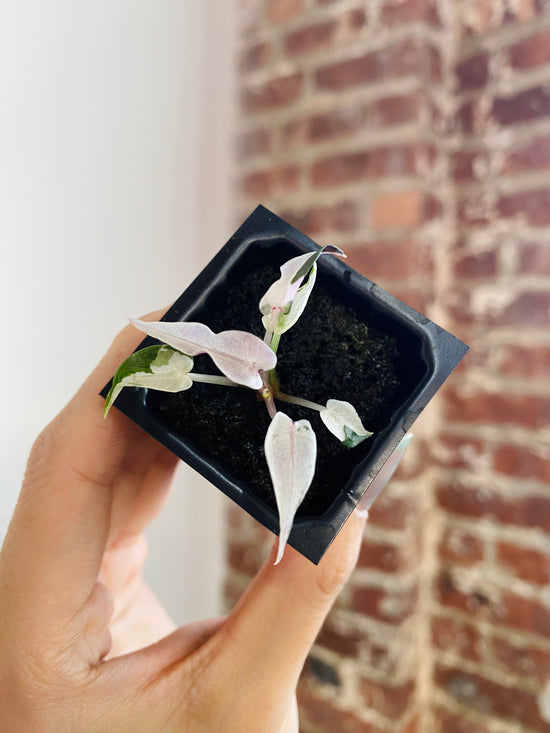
column 329, row 353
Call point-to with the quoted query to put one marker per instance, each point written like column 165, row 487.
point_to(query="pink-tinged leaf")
column 285, row 300
column 238, row 354
column 290, row 451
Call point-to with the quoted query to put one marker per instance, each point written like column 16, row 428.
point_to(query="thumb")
column 276, row 621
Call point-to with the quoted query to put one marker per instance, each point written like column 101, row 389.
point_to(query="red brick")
column 496, row 408
column 531, row 51
column 473, row 72
column 356, row 19
column 529, row 565
column 469, row 117
column 528, row 309
column 500, row 701
column 311, row 38
column 255, row 57
column 391, row 701
column 514, row 460
column 403, row 209
column 526, row 614
column 254, row 143
column 468, row 502
column 459, row 451
column 522, row 659
column 460, row 547
column 396, row 109
column 454, row 636
column 275, row 93
column 529, row 511
column 376, row 163
column 526, row 361
column 482, row 265
column 534, row 258
column 533, row 206
column 281, row 11
column 346, row 642
column 390, row 259
column 533, row 155
column 328, row 716
column 448, row 593
column 342, row 217
column 447, row 722
column 525, row 106
column 393, row 512
column 386, row 557
column 339, row 122
column 474, row 209
column 393, row 608
column 469, row 165
column 267, row 183
column 396, row 12
column 401, row 59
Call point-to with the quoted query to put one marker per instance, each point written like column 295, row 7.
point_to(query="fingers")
column 78, row 466
column 274, row 625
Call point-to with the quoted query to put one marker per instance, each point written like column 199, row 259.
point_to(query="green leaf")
column 156, row 367
column 351, row 438
column 342, row 420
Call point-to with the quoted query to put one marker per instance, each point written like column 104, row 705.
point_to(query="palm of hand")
column 85, row 645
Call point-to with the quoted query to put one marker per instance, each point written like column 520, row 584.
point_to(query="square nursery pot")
column 354, row 342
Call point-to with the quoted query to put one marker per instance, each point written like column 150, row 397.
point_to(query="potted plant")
column 354, row 358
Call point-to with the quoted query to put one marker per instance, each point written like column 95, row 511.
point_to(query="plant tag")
column 238, row 354
column 342, row 420
column 290, row 451
column 158, row 367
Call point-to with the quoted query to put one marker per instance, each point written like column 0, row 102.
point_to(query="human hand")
column 85, row 645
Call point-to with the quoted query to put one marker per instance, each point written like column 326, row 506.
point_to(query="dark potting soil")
column 328, row 354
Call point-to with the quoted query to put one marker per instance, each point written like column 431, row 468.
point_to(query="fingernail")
column 383, row 476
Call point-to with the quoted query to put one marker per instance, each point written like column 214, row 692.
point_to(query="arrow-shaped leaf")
column 290, row 451
column 286, row 298
column 342, row 420
column 238, row 354
column 157, row 367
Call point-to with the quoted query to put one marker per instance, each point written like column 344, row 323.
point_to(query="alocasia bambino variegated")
column 247, row 361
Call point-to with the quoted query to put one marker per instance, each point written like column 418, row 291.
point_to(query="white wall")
column 103, row 173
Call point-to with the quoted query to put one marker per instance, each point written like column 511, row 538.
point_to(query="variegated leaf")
column 238, row 354
column 156, row 367
column 342, row 420
column 285, row 300
column 290, row 451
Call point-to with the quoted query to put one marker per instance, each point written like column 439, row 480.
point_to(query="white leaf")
column 342, row 420
column 285, row 300
column 156, row 367
column 238, row 354
column 290, row 451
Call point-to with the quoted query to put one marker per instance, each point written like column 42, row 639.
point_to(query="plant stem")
column 213, row 379
column 299, row 401
column 267, row 396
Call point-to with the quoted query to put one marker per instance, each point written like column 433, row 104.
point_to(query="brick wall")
column 416, row 135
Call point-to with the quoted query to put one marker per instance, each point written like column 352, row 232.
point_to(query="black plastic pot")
column 219, row 431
